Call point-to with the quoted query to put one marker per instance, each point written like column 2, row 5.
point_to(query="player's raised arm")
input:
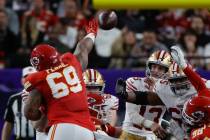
column 136, row 97
column 194, row 78
column 86, row 44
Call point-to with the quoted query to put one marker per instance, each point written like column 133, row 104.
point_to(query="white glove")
column 178, row 56
column 176, row 130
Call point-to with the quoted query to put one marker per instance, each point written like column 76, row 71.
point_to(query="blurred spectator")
column 36, row 23
column 13, row 21
column 205, row 14
column 132, row 19
column 147, row 46
column 19, row 6
column 173, row 18
column 14, row 117
column 168, row 36
column 53, row 5
column 121, row 48
column 189, row 45
column 71, row 13
column 55, row 36
column 197, row 24
column 207, row 54
column 103, row 45
column 74, row 20
column 9, row 42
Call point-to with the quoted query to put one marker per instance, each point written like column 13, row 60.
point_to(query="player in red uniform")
column 59, row 87
column 196, row 111
column 196, row 114
column 102, row 106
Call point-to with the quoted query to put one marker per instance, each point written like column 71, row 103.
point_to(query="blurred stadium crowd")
column 25, row 23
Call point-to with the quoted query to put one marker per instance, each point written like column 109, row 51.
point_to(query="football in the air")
column 107, row 20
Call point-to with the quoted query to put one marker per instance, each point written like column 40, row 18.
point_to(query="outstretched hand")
column 92, row 26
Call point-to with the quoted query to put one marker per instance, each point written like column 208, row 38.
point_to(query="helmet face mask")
column 178, row 81
column 94, row 81
column 190, row 121
column 93, row 88
column 158, row 64
column 179, row 85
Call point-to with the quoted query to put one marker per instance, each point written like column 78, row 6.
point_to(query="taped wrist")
column 147, row 123
column 141, row 98
column 91, row 36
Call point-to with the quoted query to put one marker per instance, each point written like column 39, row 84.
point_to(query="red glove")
column 110, row 130
column 92, row 26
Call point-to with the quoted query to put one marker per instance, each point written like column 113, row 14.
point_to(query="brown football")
column 107, row 20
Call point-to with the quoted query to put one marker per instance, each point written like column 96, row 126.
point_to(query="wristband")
column 147, row 123
column 91, row 36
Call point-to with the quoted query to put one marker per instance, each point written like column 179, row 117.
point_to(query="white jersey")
column 131, row 123
column 101, row 105
column 41, row 135
column 174, row 103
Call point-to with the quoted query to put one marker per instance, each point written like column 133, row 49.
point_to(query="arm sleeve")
column 195, row 79
column 9, row 115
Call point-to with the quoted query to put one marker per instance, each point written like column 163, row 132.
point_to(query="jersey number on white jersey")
column 156, row 110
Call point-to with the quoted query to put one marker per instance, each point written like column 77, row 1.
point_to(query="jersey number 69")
column 71, row 83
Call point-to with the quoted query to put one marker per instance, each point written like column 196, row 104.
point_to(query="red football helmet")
column 44, row 57
column 196, row 111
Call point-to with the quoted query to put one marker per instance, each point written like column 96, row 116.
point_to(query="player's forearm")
column 144, row 98
column 86, row 44
column 41, row 124
column 83, row 48
column 140, row 120
column 114, row 117
column 32, row 113
column 6, row 131
column 195, row 79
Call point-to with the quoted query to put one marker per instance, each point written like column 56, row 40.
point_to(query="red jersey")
column 101, row 106
column 64, row 92
column 202, row 133
column 197, row 82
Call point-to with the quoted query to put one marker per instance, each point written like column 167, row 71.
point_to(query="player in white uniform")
column 173, row 93
column 143, row 121
column 103, row 107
